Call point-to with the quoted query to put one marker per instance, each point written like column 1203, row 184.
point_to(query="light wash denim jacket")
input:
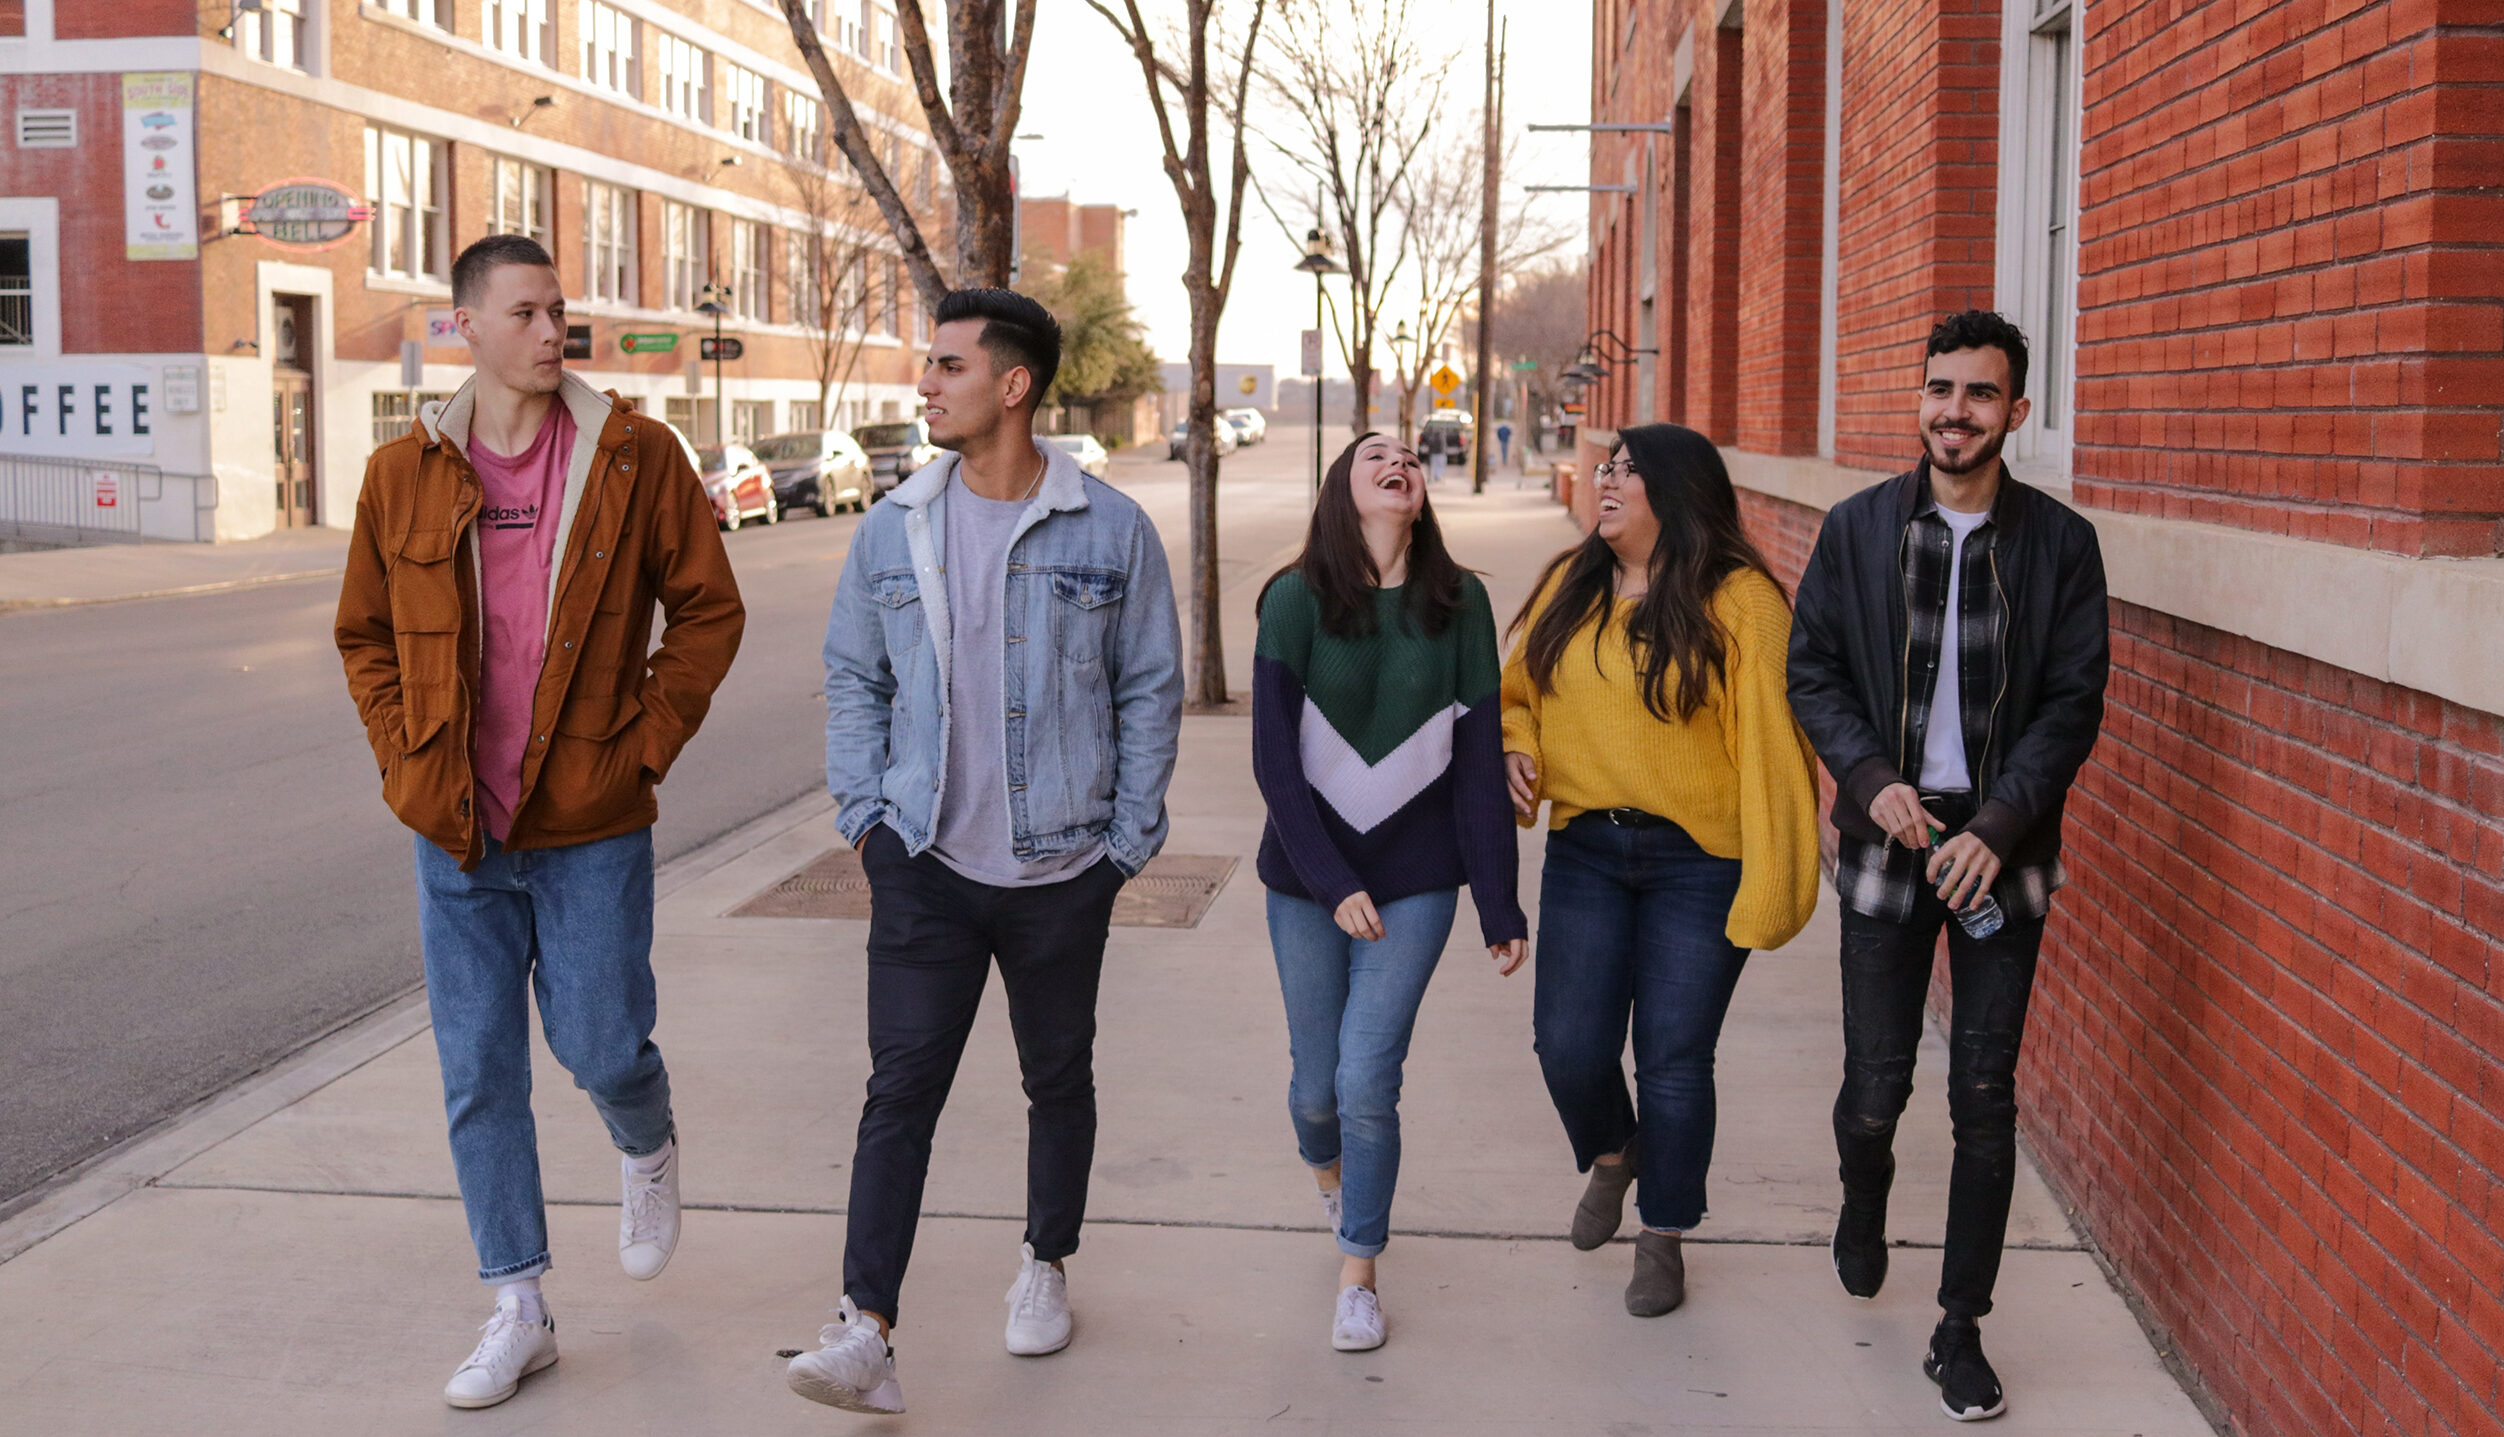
column 1093, row 685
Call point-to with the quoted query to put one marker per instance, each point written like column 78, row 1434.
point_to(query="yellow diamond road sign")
column 1444, row 380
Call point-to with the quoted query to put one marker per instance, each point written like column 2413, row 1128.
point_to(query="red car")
column 739, row 484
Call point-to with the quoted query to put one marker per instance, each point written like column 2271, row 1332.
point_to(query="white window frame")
column 679, row 71
column 804, row 127
column 685, row 252
column 524, row 29
column 39, row 219
column 2036, row 265
column 609, row 243
column 276, row 34
column 607, row 39
column 745, row 110
column 519, row 198
column 803, row 415
column 747, row 268
column 800, row 278
column 408, row 182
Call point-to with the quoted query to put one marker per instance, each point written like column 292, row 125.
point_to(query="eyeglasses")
column 1613, row 469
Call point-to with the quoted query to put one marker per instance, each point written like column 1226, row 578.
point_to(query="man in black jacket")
column 1947, row 661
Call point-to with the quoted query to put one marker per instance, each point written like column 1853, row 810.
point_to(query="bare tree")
column 1439, row 228
column 840, row 278
column 1539, row 317
column 971, row 126
column 1355, row 91
column 1210, row 107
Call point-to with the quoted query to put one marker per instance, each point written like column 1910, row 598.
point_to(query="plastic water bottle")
column 1984, row 918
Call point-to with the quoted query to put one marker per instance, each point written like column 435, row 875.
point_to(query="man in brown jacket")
column 495, row 621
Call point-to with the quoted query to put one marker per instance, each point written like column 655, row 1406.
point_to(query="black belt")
column 1633, row 818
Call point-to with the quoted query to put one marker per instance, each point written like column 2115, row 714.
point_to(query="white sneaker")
column 1038, row 1308
column 1357, row 1326
column 855, row 1369
column 647, row 1228
column 510, row 1351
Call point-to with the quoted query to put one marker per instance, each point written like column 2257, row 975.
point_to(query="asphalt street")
column 198, row 876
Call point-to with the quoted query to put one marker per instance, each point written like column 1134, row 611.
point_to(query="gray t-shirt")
column 973, row 826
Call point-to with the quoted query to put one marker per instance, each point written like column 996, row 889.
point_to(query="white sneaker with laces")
column 510, row 1350
column 647, row 1227
column 1038, row 1308
column 1357, row 1326
column 855, row 1369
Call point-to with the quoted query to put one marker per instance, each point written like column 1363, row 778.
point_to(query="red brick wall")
column 1714, row 113
column 116, row 19
column 2267, row 1057
column 12, row 17
column 2291, row 315
column 109, row 304
column 1920, row 143
column 1781, row 225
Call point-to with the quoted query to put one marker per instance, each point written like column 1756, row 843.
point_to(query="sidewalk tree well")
column 1105, row 358
column 841, row 277
column 1207, row 101
column 1350, row 96
column 971, row 126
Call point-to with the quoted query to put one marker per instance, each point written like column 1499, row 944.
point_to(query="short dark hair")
column 469, row 272
column 1981, row 329
column 1017, row 331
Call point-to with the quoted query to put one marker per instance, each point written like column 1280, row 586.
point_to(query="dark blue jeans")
column 571, row 927
column 1631, row 928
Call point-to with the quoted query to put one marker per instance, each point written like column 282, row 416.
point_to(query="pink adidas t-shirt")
column 516, row 554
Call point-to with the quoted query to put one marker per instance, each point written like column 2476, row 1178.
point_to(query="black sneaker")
column 1860, row 1246
column 1969, row 1390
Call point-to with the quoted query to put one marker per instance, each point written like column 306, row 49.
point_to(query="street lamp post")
column 714, row 294
column 1317, row 263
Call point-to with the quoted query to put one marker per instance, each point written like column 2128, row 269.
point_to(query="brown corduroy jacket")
column 608, row 719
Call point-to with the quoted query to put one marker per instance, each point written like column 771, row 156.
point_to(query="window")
column 807, row 414
column 888, row 311
column 802, row 255
column 396, row 409
column 751, row 419
column 609, row 242
column 2037, row 275
column 47, row 129
column 743, row 102
column 17, row 289
column 804, row 127
column 608, row 45
column 683, row 254
column 887, row 56
column 425, row 12
column 680, row 67
column 521, row 199
column 521, row 28
column 747, row 269
column 274, row 33
column 861, row 35
column 404, row 182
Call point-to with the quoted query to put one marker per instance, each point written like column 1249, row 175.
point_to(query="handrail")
column 104, row 498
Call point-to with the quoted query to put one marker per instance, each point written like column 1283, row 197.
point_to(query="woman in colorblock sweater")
column 1376, row 742
column 1644, row 701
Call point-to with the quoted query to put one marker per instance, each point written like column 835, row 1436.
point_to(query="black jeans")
column 932, row 937
column 1886, row 974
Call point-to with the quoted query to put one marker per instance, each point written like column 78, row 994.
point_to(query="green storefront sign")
column 647, row 343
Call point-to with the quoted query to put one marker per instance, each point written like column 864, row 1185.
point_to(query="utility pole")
column 1493, row 114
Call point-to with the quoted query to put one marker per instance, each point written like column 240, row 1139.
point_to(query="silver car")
column 1091, row 456
column 820, row 469
column 896, row 450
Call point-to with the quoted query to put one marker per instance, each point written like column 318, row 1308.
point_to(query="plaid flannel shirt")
column 1885, row 880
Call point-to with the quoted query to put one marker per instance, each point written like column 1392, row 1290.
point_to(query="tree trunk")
column 1208, row 647
column 1361, row 381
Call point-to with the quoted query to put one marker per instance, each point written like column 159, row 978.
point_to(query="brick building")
column 1058, row 228
column 185, row 236
column 2255, row 245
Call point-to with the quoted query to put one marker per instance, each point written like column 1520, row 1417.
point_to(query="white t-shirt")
column 1943, row 767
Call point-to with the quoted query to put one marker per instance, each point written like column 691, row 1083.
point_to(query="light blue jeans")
column 1351, row 1005
column 573, row 927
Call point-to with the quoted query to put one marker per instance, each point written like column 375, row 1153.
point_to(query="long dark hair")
column 1672, row 627
column 1339, row 568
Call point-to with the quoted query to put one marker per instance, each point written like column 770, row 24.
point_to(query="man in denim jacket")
column 1003, row 702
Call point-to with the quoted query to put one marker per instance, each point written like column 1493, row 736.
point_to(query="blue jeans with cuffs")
column 572, row 927
column 1351, row 1005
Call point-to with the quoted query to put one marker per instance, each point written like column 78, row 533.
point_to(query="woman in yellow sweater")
column 1644, row 702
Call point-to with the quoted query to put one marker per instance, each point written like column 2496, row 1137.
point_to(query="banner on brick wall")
column 160, row 216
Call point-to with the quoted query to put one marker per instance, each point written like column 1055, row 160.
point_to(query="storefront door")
column 291, row 409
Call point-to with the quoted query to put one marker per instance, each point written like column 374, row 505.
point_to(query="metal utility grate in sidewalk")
column 1174, row 892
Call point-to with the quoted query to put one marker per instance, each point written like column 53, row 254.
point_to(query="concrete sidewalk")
column 294, row 1260
column 103, row 573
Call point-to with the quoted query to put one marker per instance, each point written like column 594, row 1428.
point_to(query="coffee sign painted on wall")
column 306, row 214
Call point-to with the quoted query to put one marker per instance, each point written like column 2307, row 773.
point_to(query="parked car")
column 1090, row 455
column 1447, row 430
column 738, row 483
column 820, row 469
column 1251, row 426
column 897, row 450
column 1224, row 434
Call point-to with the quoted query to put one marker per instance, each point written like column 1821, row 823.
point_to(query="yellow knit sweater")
column 1735, row 776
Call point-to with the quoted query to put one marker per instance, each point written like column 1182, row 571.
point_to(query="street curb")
column 217, row 587
column 145, row 1159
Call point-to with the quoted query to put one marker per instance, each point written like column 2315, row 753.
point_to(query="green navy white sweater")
column 1381, row 756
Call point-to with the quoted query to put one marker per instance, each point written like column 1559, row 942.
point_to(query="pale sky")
column 1084, row 95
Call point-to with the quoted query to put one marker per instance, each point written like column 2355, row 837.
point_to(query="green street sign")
column 647, row 343
column 1522, row 365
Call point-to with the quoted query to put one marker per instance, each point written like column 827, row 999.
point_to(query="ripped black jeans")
column 1886, row 974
